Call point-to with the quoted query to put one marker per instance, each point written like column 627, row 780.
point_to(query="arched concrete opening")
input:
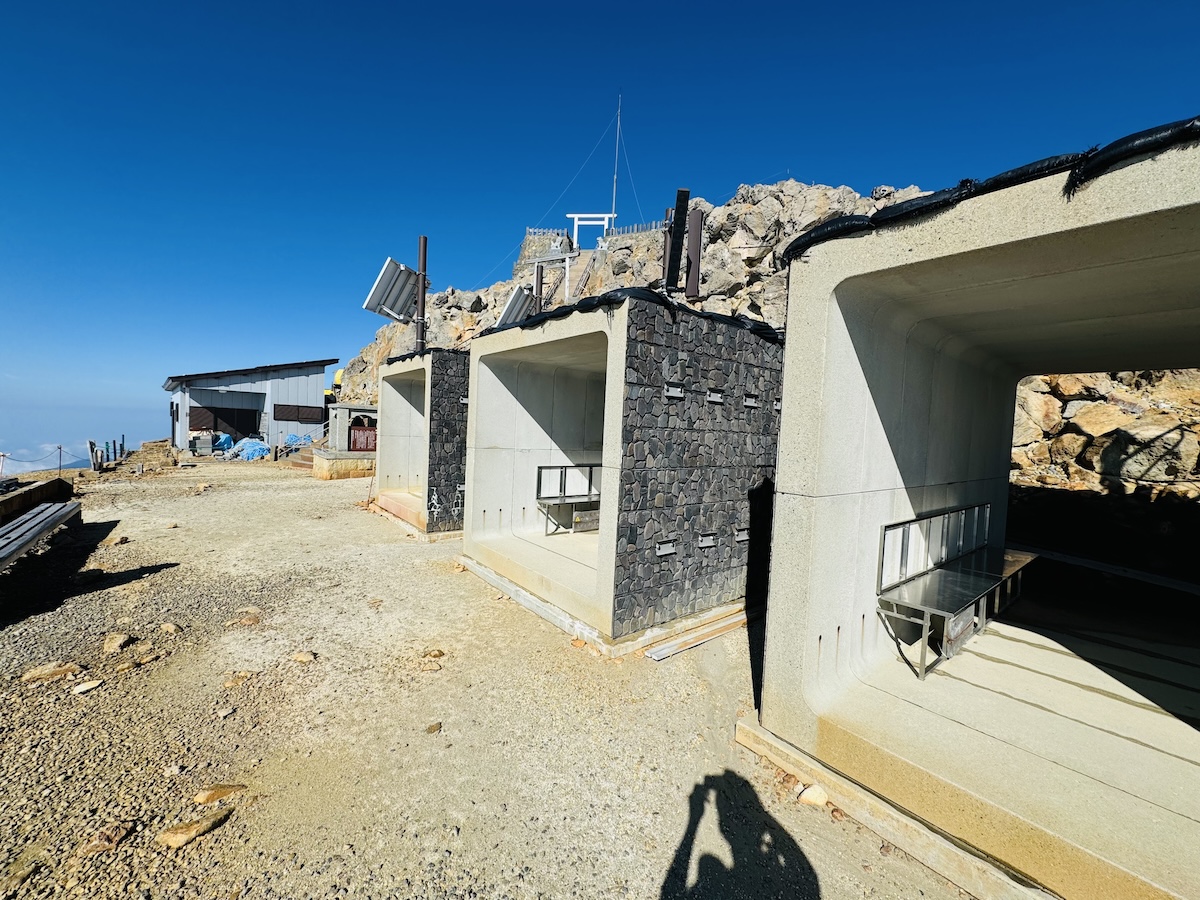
column 904, row 349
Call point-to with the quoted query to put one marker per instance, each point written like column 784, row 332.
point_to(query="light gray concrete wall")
column 402, row 436
column 904, row 346
column 539, row 397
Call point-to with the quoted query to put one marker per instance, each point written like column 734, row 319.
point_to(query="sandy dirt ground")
column 441, row 742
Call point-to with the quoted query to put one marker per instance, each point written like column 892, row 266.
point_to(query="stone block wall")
column 700, row 432
column 449, row 370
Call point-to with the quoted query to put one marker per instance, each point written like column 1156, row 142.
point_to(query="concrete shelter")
column 274, row 401
column 619, row 461
column 905, row 345
column 421, row 439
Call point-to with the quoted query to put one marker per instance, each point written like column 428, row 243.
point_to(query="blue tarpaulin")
column 295, row 440
column 248, row 449
column 222, row 442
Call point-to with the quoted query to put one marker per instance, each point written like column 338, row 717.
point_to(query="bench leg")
column 924, row 646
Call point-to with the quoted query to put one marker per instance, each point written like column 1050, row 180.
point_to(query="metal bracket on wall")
column 715, row 396
column 673, row 390
column 708, row 539
column 750, row 401
column 778, row 405
column 741, row 535
column 462, row 400
column 665, row 548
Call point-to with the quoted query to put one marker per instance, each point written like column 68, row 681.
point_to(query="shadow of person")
column 767, row 862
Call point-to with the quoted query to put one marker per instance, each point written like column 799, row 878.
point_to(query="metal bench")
column 569, row 497
column 939, row 572
column 19, row 535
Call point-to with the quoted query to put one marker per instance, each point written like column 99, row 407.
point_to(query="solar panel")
column 520, row 305
column 394, row 295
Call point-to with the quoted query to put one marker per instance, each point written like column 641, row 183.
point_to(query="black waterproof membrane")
column 620, row 295
column 1083, row 167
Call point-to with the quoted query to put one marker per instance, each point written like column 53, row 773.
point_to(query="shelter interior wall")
column 402, row 441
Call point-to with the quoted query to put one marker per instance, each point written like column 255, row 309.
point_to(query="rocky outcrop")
column 1109, row 431
column 738, row 269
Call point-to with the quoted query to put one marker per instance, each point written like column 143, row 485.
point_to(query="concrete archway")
column 904, row 349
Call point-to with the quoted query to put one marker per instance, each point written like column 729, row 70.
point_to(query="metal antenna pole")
column 60, row 460
column 422, row 247
column 616, row 156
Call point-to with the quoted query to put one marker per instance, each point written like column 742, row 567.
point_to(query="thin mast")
column 616, row 156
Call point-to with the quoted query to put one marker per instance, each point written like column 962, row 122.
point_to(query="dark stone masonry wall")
column 449, row 370
column 696, row 469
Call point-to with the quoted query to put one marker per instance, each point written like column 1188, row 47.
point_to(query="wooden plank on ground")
column 17, row 537
column 660, row 651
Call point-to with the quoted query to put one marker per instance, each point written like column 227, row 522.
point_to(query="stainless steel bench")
column 939, row 572
column 19, row 535
column 569, row 497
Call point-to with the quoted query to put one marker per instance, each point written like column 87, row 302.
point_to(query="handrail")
column 593, row 489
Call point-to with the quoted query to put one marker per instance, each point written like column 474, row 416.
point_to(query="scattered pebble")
column 304, row 657
column 116, row 642
column 814, row 795
column 84, row 687
column 105, row 839
column 215, row 792
column 434, row 728
column 51, row 671
column 225, row 712
column 169, row 628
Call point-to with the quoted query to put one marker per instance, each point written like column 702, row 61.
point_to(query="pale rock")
column 433, row 654
column 84, row 686
column 814, row 795
column 304, row 657
column 1036, row 383
column 182, row 835
column 1078, row 387
column 170, row 628
column 1020, row 458
column 238, row 679
column 1099, row 418
column 215, row 792
column 1025, row 430
column 1066, row 446
column 1039, row 454
column 116, row 642
column 127, row 666
column 1155, row 447
column 431, row 666
column 172, row 770
column 51, row 671
column 434, row 728
column 1043, row 409
column 225, row 712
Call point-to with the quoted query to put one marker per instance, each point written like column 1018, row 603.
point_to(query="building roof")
column 174, row 382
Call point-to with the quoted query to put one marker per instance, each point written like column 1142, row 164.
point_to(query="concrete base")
column 602, row 642
column 973, row 874
column 330, row 465
column 428, row 537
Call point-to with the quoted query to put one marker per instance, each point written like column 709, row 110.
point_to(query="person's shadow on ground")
column 766, row 861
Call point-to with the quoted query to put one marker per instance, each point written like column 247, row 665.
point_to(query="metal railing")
column 564, row 484
column 549, row 232
column 636, row 229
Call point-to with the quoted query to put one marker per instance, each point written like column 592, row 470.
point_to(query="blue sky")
column 190, row 187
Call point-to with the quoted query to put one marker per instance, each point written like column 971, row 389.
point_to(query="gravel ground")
column 444, row 742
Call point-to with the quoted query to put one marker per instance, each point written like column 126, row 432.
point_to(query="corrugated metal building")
column 273, row 401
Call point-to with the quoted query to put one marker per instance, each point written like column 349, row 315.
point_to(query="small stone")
column 149, row 658
column 431, row 666
column 304, row 657
column 172, row 770
column 173, row 525
column 169, row 628
column 114, row 541
column 225, row 712
column 459, row 567
column 215, row 792
column 181, row 835
column 106, row 839
column 837, row 815
column 885, row 849
column 249, row 620
column 51, row 671
column 814, row 795
column 578, row 643
column 127, row 666
column 434, row 728
column 433, row 654
column 499, row 596
column 86, row 686
column 238, row 679
column 116, row 642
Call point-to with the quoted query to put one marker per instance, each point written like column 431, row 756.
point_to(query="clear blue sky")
column 189, row 187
